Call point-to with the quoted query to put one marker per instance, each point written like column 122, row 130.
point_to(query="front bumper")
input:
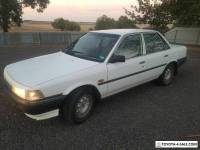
column 36, row 107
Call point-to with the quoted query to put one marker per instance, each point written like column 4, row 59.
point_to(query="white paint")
column 38, row 70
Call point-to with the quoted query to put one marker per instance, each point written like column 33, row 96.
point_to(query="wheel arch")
column 79, row 86
column 175, row 64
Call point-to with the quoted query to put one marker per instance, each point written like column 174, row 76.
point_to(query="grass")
column 45, row 26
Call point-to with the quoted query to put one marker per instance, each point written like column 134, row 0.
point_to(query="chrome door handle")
column 142, row 62
column 166, row 55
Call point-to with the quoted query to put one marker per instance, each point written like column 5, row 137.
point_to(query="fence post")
column 4, row 39
column 65, row 39
column 175, row 36
column 198, row 38
column 39, row 35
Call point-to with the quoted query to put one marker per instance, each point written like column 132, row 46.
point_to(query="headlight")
column 27, row 94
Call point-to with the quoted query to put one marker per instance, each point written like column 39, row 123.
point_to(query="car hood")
column 34, row 71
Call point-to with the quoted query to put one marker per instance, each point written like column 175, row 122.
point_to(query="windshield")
column 93, row 46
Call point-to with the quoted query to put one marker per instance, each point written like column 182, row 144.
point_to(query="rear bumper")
column 36, row 107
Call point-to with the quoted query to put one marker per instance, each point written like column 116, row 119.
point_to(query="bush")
column 65, row 25
column 59, row 24
column 72, row 26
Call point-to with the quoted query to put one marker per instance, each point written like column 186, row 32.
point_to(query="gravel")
column 133, row 119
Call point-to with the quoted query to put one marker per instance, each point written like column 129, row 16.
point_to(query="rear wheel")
column 79, row 105
column 168, row 75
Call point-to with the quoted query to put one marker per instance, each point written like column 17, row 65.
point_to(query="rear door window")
column 154, row 43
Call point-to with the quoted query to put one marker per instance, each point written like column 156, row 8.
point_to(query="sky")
column 79, row 10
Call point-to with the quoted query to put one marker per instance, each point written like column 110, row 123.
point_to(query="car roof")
column 124, row 31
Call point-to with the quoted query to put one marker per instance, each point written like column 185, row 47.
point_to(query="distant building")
column 87, row 26
column 144, row 26
column 148, row 26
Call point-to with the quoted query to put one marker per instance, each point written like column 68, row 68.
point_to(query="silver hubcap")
column 168, row 74
column 83, row 106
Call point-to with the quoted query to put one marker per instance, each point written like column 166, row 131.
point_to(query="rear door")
column 156, row 55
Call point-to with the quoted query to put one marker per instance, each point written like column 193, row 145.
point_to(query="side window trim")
column 164, row 40
column 132, row 34
column 143, row 44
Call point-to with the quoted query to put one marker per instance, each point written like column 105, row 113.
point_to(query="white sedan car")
column 98, row 65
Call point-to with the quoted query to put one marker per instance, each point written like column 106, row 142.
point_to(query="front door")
column 127, row 74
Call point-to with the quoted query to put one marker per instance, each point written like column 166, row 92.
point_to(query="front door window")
column 130, row 47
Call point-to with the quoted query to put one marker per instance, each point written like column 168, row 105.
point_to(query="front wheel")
column 79, row 105
column 168, row 75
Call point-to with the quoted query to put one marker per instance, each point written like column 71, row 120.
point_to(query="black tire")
column 167, row 76
column 71, row 110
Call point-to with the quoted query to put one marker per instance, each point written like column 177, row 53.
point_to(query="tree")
column 104, row 22
column 11, row 11
column 151, row 12
column 40, row 5
column 184, row 12
column 67, row 25
column 125, row 22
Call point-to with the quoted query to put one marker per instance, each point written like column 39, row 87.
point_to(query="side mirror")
column 117, row 58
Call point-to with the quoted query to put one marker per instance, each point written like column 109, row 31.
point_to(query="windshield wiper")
column 93, row 58
column 72, row 52
column 82, row 55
